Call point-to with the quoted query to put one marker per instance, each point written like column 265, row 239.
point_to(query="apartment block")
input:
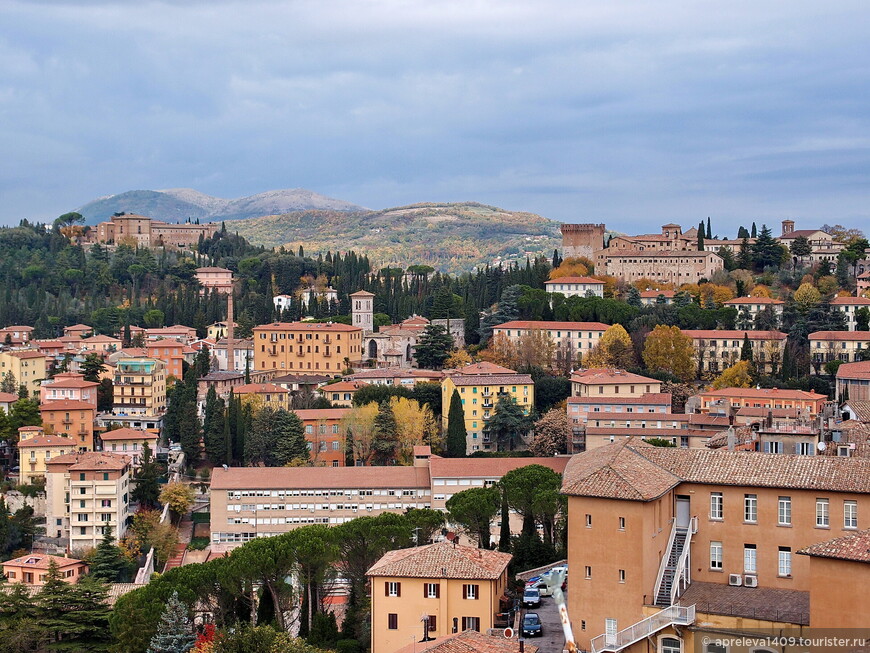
column 324, row 434
column 718, row 349
column 572, row 340
column 320, row 347
column 85, row 492
column 673, row 545
column 36, row 450
column 576, row 286
column 807, row 404
column 600, row 382
column 129, row 443
column 139, row 387
column 849, row 307
column 457, row 587
column 28, row 368
column 845, row 346
column 69, row 386
column 72, row 419
column 171, row 352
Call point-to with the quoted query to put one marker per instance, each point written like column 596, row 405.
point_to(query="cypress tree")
column 456, row 433
column 746, row 349
column 108, row 562
column 709, row 233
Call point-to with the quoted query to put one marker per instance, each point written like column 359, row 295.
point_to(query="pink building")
column 219, row 279
column 69, row 386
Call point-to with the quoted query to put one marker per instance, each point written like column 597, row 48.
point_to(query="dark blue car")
column 532, row 625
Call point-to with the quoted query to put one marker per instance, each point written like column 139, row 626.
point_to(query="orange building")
column 763, row 398
column 171, row 352
column 74, row 419
column 341, row 393
column 32, row 569
column 215, row 279
column 324, row 435
column 307, row 346
column 665, row 537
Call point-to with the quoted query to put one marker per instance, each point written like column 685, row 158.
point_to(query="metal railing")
column 663, row 565
column 675, row 614
column 683, row 571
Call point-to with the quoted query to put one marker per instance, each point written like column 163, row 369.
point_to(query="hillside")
column 176, row 204
column 449, row 237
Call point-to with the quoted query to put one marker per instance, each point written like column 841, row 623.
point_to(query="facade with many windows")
column 311, row 347
column 571, row 341
column 844, row 346
column 718, row 349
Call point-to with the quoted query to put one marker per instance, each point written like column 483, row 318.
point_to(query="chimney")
column 732, row 439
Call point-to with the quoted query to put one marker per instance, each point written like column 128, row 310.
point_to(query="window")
column 784, row 518
column 850, row 514
column 588, row 521
column 715, row 555
column 750, row 507
column 622, row 523
column 749, row 559
column 433, row 621
column 392, row 588
column 471, row 592
column 622, row 575
column 393, row 621
column 588, row 571
column 431, row 591
column 784, row 568
column 716, row 505
column 670, row 645
column 471, row 623
column 610, row 628
column 822, row 513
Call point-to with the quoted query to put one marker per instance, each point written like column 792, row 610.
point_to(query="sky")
column 629, row 113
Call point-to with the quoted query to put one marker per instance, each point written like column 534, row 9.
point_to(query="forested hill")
column 449, row 237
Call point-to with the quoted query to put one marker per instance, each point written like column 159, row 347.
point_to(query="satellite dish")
column 822, row 446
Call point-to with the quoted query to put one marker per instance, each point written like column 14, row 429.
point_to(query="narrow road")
column 552, row 641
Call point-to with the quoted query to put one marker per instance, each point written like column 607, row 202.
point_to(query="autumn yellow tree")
column 713, row 294
column 457, row 359
column 535, row 348
column 572, row 267
column 806, row 296
column 760, row 291
column 614, row 349
column 827, row 285
column 737, row 376
column 358, row 426
column 667, row 349
column 648, row 284
column 415, row 425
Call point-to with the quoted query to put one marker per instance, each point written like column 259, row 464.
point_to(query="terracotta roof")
column 259, row 388
column 321, row 413
column 310, row 379
column 42, row 561
column 575, row 280
column 489, row 467
column 552, row 326
column 605, row 375
column 442, row 560
column 362, row 293
column 343, row 386
column 672, row 417
column 861, row 408
column 735, row 334
column 648, row 398
column 859, row 370
column 306, row 326
column 222, row 375
column 8, row 397
column 66, row 404
column 848, row 336
column 284, row 478
column 848, row 301
column 765, row 393
column 100, row 338
column 484, row 367
column 47, row 441
column 213, row 269
column 742, row 435
column 128, row 434
column 764, row 603
column 469, row 641
column 492, row 379
column 754, row 300
column 712, row 420
column 752, row 411
column 633, row 470
column 647, row 294
column 802, row 232
column 26, row 354
column 657, row 254
column 91, row 461
column 383, row 373
column 854, row 547
column 72, row 383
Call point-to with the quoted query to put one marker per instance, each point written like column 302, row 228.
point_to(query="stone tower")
column 582, row 240
column 787, row 227
column 362, row 310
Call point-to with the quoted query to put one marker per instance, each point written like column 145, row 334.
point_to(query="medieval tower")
column 582, row 240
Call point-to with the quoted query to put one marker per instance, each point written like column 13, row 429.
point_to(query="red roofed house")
column 341, row 393
column 324, row 434
column 651, row 297
column 78, row 330
column 713, row 400
column 849, row 306
column 215, row 279
column 576, row 286
column 846, row 346
column 32, row 569
column 171, row 352
column 73, row 419
column 129, row 443
column 16, row 335
column 69, row 386
column 599, row 382
column 36, row 449
column 748, row 308
column 101, row 344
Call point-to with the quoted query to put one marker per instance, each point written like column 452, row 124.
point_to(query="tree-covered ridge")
column 449, row 237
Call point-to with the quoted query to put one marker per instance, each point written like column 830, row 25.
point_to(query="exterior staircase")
column 663, row 596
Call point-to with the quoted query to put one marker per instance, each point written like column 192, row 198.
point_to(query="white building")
column 849, row 306
column 576, row 286
column 362, row 310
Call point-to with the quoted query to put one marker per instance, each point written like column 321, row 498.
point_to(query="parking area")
column 552, row 641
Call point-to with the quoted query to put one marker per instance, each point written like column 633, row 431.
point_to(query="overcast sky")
column 632, row 113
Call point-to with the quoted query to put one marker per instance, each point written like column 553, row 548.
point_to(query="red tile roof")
column 259, row 388
column 72, row 383
column 602, row 375
column 321, row 413
column 754, row 300
column 47, row 441
column 128, row 434
column 469, row 641
column 765, row 393
column 42, row 561
column 88, row 461
column 575, row 280
column 284, row 478
column 66, row 404
column 841, row 336
column 735, row 334
column 306, row 326
column 649, row 398
column 859, row 370
column 854, row 547
column 343, row 386
column 553, row 326
column 8, row 397
column 647, row 294
column 488, row 467
column 442, row 560
column 849, row 301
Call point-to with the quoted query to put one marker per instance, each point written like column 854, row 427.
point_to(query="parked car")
column 532, row 626
column 542, row 587
column 533, row 580
column 531, row 598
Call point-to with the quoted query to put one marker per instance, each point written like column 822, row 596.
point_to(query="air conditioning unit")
column 735, row 580
column 750, row 581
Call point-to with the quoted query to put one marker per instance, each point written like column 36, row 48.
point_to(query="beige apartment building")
column 601, row 382
column 457, row 587
column 27, row 366
column 718, row 349
column 668, row 546
column 571, row 340
column 846, row 346
column 669, row 266
column 748, row 308
column 320, row 347
column 139, row 387
column 84, row 493
column 36, row 450
column 849, row 306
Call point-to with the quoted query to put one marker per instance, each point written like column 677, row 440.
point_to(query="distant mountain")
column 449, row 237
column 177, row 204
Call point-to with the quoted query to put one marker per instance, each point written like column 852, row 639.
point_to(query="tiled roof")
column 493, row 379
column 469, row 641
column 652, row 294
column 213, row 269
column 665, row 417
column 47, row 441
column 72, row 383
column 765, row 393
column 575, row 280
column 648, row 398
column 29, row 353
column 8, row 397
column 841, row 336
column 321, row 413
column 442, row 560
column 859, row 370
column 553, row 326
column 669, row 253
column 100, row 338
column 66, row 404
column 754, row 300
column 91, row 461
column 735, row 334
column 802, row 232
column 764, row 603
column 850, row 301
column 306, row 326
column 42, row 561
column 362, row 293
column 752, row 411
column 343, row 386
column 484, row 367
column 861, row 408
column 742, row 435
column 283, row 478
column 854, row 547
column 489, row 467
column 259, row 388
column 633, row 470
column 128, row 434
column 222, row 375
column 311, row 379
column 603, row 375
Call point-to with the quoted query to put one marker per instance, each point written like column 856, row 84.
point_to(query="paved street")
column 553, row 640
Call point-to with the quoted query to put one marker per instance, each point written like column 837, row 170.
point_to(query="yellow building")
column 36, row 449
column 457, row 587
column 139, row 387
column 263, row 395
column 322, row 347
column 480, row 394
column 218, row 330
column 27, row 368
column 600, row 382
